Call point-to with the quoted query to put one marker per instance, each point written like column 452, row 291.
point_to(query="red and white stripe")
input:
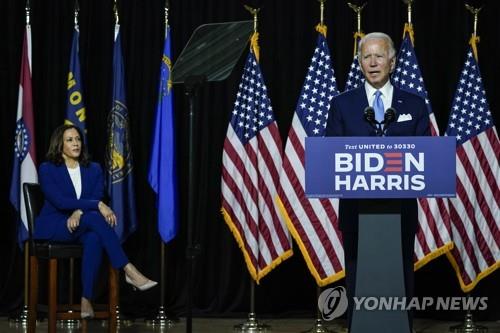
column 312, row 222
column 433, row 236
column 249, row 185
column 475, row 212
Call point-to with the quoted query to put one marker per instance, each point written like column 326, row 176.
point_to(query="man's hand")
column 74, row 220
column 107, row 213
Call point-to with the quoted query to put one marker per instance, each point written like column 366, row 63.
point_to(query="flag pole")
column 161, row 319
column 319, row 326
column 359, row 32
column 468, row 325
column 252, row 325
column 120, row 322
column 22, row 318
column 409, row 25
column 72, row 323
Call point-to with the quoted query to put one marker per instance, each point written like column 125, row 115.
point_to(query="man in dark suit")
column 346, row 118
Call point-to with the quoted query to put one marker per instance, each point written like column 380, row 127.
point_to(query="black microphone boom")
column 369, row 116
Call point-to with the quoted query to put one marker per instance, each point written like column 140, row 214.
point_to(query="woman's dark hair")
column 54, row 154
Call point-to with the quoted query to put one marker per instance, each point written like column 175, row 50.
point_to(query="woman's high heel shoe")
column 145, row 286
column 87, row 315
column 86, row 310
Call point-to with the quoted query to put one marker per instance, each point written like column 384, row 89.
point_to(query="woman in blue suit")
column 73, row 211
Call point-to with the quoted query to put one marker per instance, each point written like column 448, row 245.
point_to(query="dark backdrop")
column 287, row 39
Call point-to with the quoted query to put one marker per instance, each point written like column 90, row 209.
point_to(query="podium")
column 379, row 267
column 381, row 173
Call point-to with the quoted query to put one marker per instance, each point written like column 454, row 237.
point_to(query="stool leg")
column 52, row 295
column 84, row 325
column 113, row 299
column 33, row 294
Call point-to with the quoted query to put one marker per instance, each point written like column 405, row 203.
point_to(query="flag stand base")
column 161, row 320
column 319, row 327
column 252, row 326
column 120, row 322
column 22, row 319
column 468, row 326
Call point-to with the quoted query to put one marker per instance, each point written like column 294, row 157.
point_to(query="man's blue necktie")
column 378, row 106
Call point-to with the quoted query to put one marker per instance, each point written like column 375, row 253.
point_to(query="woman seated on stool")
column 73, row 211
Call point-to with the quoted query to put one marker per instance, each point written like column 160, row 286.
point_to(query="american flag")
column 251, row 162
column 312, row 222
column 475, row 213
column 355, row 78
column 433, row 236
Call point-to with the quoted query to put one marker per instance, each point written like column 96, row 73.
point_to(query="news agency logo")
column 332, row 303
column 387, row 171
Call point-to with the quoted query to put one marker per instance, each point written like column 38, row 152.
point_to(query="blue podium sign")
column 380, row 167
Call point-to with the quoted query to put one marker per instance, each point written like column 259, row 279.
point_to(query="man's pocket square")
column 404, row 117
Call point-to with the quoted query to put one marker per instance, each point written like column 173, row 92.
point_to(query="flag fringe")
column 409, row 29
column 433, row 255
column 357, row 36
column 468, row 287
column 322, row 29
column 256, row 276
column 473, row 43
column 321, row 282
column 254, row 45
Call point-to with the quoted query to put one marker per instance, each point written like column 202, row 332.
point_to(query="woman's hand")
column 107, row 213
column 74, row 220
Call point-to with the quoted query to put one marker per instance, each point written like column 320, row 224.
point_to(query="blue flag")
column 120, row 183
column 162, row 175
column 75, row 109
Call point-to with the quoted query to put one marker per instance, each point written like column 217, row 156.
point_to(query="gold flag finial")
column 321, row 27
column 254, row 40
column 254, row 12
column 115, row 11
column 408, row 25
column 27, row 10
column 77, row 9
column 167, row 8
column 409, row 4
column 322, row 12
column 359, row 32
column 357, row 10
column 474, row 39
column 475, row 12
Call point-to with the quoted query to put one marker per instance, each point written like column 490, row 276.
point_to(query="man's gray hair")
column 377, row 35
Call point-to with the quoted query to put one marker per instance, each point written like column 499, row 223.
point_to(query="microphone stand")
column 389, row 117
column 369, row 116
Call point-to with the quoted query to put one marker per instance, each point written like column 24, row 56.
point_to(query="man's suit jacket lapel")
column 398, row 101
column 361, row 99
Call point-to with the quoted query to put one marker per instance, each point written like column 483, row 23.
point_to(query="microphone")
column 369, row 116
column 389, row 117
